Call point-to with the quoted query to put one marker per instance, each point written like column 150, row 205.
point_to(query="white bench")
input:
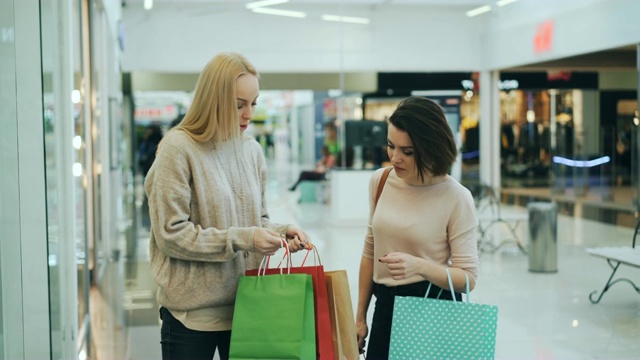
column 615, row 256
column 489, row 210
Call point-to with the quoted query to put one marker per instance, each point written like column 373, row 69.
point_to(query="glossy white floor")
column 541, row 315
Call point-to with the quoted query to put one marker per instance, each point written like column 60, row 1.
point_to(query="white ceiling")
column 316, row 2
column 241, row 3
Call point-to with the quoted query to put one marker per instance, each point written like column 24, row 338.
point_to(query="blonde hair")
column 213, row 114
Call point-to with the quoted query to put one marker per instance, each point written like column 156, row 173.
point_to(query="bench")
column 489, row 210
column 616, row 256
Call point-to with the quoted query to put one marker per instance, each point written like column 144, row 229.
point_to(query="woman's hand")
column 298, row 238
column 266, row 241
column 402, row 265
column 362, row 330
column 296, row 244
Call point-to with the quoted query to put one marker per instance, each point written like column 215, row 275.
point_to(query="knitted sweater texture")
column 205, row 202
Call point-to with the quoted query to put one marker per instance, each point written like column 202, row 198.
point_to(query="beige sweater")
column 205, row 202
column 436, row 222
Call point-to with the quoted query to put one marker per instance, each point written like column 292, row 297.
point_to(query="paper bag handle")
column 453, row 295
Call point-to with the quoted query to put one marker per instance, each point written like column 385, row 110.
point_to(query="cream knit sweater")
column 205, row 202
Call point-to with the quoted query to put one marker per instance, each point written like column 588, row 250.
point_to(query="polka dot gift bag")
column 425, row 328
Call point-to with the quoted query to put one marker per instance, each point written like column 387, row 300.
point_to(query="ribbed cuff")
column 242, row 238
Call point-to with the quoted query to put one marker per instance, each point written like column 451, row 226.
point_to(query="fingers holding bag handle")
column 286, row 258
column 316, row 256
column 266, row 241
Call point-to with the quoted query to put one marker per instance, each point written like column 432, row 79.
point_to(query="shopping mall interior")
column 541, row 96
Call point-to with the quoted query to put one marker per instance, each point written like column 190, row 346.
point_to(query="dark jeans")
column 380, row 333
column 178, row 342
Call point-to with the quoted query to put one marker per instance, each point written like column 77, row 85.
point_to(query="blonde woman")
column 209, row 219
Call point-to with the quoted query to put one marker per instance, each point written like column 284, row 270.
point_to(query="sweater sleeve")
column 367, row 252
column 463, row 230
column 168, row 188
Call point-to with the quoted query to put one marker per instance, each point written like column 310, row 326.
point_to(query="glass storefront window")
column 64, row 153
column 8, row 160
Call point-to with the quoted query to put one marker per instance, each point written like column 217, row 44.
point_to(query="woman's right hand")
column 362, row 330
column 266, row 241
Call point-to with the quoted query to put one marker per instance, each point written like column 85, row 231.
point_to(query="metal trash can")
column 543, row 243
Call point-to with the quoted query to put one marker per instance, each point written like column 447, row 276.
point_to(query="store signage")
column 542, row 80
column 467, row 84
column 558, row 75
column 508, row 85
column 543, row 39
column 168, row 112
column 502, row 85
column 7, row 34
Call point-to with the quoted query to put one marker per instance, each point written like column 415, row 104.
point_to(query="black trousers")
column 380, row 332
column 179, row 342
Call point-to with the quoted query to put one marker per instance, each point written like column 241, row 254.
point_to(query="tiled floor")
column 541, row 315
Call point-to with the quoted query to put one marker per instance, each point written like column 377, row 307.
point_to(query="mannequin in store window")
column 148, row 148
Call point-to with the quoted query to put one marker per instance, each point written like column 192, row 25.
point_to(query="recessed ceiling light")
column 270, row 11
column 505, row 2
column 347, row 19
column 257, row 4
column 478, row 11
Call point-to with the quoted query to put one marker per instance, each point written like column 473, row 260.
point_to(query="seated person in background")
column 324, row 164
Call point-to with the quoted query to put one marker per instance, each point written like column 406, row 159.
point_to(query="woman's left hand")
column 402, row 265
column 298, row 239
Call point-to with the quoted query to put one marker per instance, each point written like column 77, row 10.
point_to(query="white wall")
column 182, row 38
column 580, row 27
column 399, row 38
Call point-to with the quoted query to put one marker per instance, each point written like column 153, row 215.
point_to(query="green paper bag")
column 424, row 328
column 274, row 318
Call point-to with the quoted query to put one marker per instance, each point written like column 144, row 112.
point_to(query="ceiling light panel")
column 257, row 4
column 505, row 2
column 479, row 10
column 346, row 19
column 278, row 12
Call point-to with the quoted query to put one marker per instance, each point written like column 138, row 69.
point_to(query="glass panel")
column 64, row 155
column 81, row 235
column 525, row 138
column 8, row 157
column 54, row 202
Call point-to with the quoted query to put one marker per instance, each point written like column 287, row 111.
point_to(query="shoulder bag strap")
column 383, row 180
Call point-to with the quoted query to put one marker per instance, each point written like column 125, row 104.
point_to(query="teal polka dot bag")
column 424, row 328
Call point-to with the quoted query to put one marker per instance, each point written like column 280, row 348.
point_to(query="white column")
column 490, row 129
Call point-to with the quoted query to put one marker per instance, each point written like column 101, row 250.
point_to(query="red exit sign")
column 543, row 39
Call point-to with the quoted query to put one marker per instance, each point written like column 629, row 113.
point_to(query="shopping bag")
column 343, row 326
column 424, row 328
column 274, row 318
column 324, row 344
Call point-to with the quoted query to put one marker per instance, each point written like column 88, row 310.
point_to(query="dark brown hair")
column 433, row 143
